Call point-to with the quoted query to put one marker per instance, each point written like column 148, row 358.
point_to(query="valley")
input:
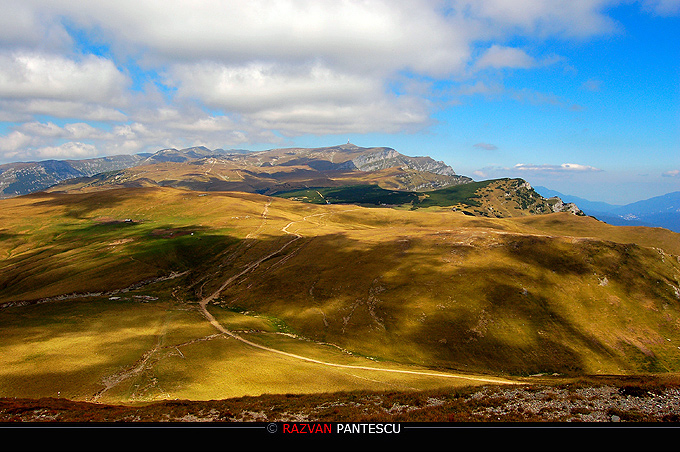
column 162, row 302
column 125, row 293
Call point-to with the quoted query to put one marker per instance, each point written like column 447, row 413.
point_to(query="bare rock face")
column 560, row 206
column 383, row 158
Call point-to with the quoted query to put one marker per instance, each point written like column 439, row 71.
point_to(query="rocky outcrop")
column 531, row 200
column 389, row 158
column 560, row 206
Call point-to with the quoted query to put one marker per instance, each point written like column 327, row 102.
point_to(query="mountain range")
column 289, row 169
column 339, row 174
column 28, row 177
column 659, row 211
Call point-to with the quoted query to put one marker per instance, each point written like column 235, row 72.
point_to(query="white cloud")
column 388, row 116
column 564, row 167
column 23, row 26
column 67, row 150
column 74, row 131
column 560, row 18
column 671, row 173
column 261, row 86
column 357, row 35
column 40, row 129
column 263, row 69
column 90, row 88
column 505, row 57
column 54, row 77
column 14, row 141
column 662, row 7
column 26, row 108
column 308, row 99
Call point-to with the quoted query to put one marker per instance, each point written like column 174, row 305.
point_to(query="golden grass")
column 431, row 289
column 66, row 348
column 71, row 349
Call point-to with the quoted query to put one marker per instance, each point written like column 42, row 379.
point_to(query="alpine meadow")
column 183, row 240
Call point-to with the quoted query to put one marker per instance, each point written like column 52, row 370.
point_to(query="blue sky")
column 580, row 96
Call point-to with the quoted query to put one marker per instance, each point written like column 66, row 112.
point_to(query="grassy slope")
column 375, row 195
column 475, row 294
column 498, row 198
column 554, row 293
column 251, row 177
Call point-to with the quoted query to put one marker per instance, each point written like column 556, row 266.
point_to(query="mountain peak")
column 345, row 147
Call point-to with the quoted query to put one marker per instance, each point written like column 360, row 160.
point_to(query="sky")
column 580, row 96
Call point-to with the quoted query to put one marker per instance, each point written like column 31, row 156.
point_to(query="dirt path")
column 217, row 325
column 212, row 165
column 205, row 301
column 265, row 211
column 74, row 296
column 114, row 380
column 142, row 364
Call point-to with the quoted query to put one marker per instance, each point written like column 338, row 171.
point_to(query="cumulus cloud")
column 67, row 150
column 269, row 85
column 14, row 141
column 23, row 27
column 389, row 116
column 505, row 57
column 563, row 18
column 89, row 88
column 564, row 167
column 26, row 109
column 671, row 173
column 176, row 72
column 54, row 77
column 363, row 36
column 73, row 131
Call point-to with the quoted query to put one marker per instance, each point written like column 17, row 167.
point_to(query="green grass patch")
column 353, row 194
column 466, row 194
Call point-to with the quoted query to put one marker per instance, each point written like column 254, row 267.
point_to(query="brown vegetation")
column 595, row 399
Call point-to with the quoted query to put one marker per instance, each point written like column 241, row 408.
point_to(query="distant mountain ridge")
column 347, row 157
column 659, row 211
column 22, row 178
column 373, row 175
column 28, row 177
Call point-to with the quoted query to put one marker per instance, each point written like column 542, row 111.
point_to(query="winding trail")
column 206, row 300
column 265, row 211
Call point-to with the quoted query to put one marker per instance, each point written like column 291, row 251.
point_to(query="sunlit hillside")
column 102, row 296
